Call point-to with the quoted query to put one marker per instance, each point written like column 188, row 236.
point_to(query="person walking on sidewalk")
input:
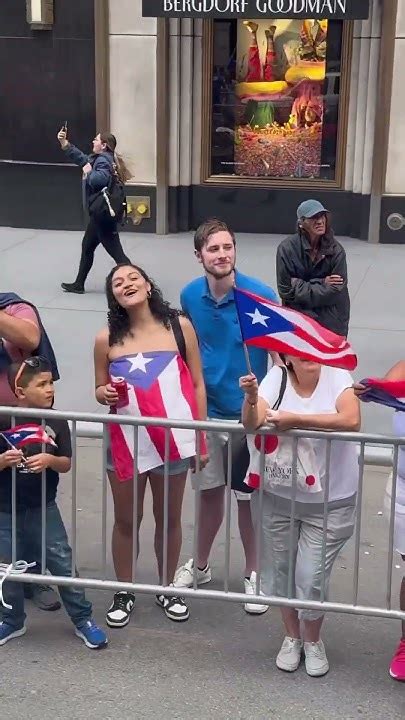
column 98, row 169
column 312, row 270
column 209, row 303
column 22, row 334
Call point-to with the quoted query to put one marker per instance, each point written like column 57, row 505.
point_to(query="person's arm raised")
column 254, row 408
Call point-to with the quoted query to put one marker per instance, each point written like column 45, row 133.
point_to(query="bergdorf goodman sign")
column 332, row 9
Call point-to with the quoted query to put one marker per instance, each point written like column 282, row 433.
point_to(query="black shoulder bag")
column 179, row 337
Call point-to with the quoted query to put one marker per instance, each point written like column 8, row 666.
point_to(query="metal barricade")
column 92, row 425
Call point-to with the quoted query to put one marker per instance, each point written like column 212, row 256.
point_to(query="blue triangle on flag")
column 257, row 319
column 141, row 369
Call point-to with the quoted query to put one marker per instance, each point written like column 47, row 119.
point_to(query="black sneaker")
column 120, row 611
column 73, row 288
column 174, row 607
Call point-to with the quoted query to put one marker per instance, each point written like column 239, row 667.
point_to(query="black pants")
column 98, row 234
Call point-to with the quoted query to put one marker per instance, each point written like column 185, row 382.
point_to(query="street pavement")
column 221, row 663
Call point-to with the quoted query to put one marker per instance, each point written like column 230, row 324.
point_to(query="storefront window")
column 276, row 98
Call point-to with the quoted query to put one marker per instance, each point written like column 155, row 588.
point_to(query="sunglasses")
column 36, row 361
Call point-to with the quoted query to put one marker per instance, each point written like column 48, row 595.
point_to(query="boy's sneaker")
column 43, row 596
column 185, row 575
column 250, row 589
column 289, row 657
column 316, row 662
column 92, row 636
column 397, row 667
column 7, row 632
column 174, row 607
column 120, row 611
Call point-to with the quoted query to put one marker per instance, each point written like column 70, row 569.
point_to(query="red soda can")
column 120, row 386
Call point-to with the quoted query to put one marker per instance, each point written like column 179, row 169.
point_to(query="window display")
column 275, row 98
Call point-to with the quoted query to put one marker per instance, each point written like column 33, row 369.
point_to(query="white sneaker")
column 289, row 657
column 185, row 575
column 316, row 662
column 250, row 589
column 174, row 607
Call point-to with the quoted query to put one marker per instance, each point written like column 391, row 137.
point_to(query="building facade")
column 234, row 108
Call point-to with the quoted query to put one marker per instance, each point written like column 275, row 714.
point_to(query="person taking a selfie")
column 100, row 170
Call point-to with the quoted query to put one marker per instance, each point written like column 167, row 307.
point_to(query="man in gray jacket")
column 312, row 270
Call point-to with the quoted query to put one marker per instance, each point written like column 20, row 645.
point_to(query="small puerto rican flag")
column 22, row 435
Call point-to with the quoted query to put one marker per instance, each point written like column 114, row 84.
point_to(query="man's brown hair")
column 208, row 228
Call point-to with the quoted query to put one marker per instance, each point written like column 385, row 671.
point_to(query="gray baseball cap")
column 309, row 208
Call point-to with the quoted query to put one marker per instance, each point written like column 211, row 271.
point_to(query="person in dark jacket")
column 98, row 169
column 312, row 270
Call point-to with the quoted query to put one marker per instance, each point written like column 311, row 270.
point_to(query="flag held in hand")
column 384, row 392
column 279, row 329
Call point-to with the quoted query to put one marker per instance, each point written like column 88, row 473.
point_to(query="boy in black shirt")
column 22, row 447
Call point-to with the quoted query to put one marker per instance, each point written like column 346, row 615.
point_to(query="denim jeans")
column 58, row 562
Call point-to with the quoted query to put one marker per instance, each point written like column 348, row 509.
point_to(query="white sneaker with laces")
column 289, row 657
column 316, row 662
column 250, row 589
column 185, row 575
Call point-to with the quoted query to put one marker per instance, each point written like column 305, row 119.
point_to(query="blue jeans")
column 58, row 562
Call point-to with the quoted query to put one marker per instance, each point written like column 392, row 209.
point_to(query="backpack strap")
column 179, row 337
column 283, row 385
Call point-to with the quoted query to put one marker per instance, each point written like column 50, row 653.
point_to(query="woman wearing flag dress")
column 155, row 350
column 319, row 397
column 386, row 392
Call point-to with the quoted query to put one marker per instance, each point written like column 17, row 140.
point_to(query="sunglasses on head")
column 36, row 361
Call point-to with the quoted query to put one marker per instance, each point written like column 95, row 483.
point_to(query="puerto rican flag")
column 270, row 326
column 160, row 386
column 384, row 392
column 22, row 435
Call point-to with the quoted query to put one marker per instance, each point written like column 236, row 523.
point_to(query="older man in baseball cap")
column 312, row 271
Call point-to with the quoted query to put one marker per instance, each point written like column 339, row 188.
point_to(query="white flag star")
column 139, row 362
column 258, row 318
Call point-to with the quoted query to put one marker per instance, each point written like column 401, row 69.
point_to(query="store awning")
column 253, row 9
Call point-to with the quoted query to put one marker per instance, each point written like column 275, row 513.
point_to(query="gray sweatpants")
column 307, row 549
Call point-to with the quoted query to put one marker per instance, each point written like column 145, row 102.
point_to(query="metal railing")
column 93, row 425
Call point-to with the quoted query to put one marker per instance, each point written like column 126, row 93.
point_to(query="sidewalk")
column 34, row 262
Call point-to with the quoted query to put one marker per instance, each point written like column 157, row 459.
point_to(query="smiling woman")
column 153, row 349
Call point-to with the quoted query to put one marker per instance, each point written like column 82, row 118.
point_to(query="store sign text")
column 333, row 9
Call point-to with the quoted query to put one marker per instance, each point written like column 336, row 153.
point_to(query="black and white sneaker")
column 174, row 607
column 120, row 611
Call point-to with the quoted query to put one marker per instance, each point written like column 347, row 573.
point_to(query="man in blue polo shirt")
column 209, row 303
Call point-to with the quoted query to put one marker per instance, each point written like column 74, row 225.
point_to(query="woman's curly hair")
column 118, row 318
